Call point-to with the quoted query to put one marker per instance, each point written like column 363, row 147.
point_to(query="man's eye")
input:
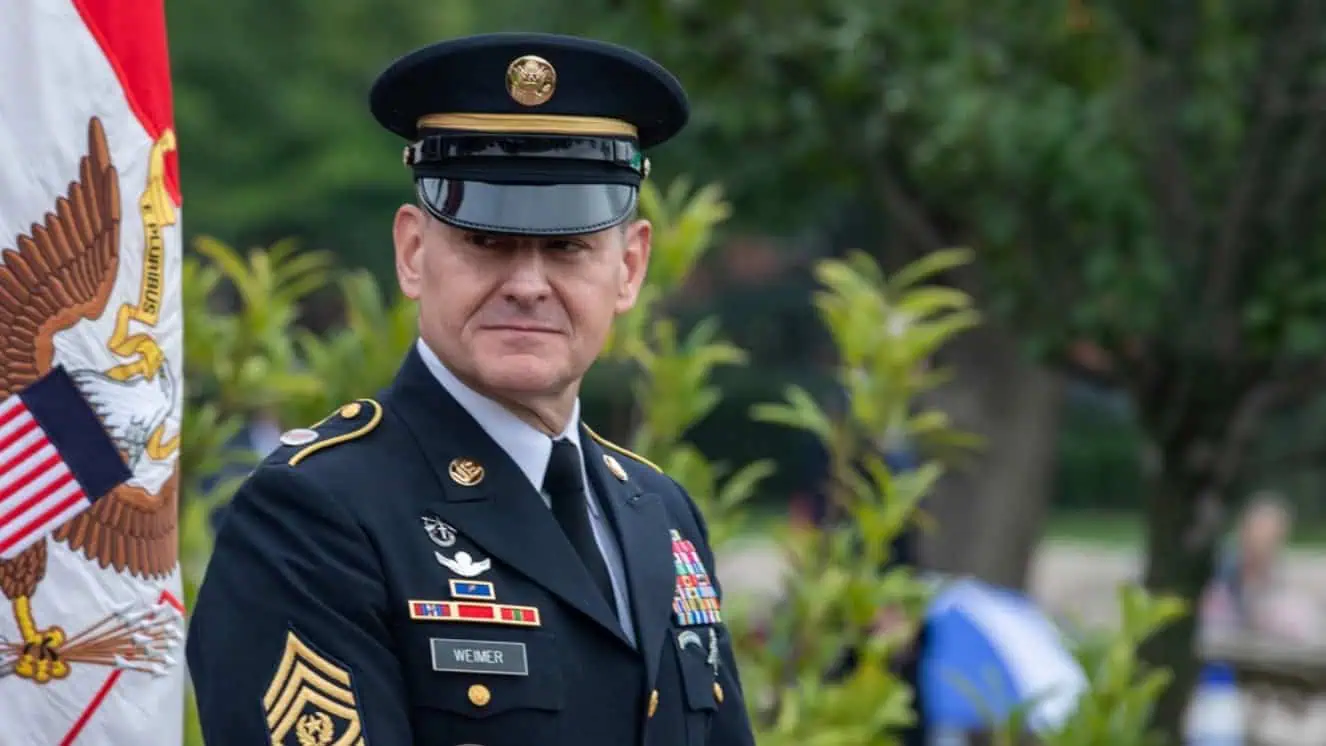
column 482, row 240
column 561, row 244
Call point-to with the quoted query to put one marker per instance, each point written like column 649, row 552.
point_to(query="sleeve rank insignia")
column 350, row 421
column 311, row 701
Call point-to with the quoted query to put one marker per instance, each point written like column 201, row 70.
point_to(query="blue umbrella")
column 989, row 652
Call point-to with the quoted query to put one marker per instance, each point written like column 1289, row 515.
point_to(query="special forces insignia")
column 441, row 533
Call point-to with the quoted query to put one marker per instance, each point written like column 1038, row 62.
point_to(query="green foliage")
column 673, row 390
column 885, row 329
column 1121, row 693
column 359, row 356
column 271, row 104
column 246, row 362
column 1145, row 179
column 1117, row 708
column 247, row 354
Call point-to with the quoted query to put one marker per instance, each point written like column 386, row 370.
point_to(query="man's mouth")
column 523, row 328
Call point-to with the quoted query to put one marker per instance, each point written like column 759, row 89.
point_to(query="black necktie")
column 565, row 486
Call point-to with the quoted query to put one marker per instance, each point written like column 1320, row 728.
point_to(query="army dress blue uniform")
column 393, row 576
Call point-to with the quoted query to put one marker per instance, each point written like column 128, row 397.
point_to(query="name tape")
column 479, row 656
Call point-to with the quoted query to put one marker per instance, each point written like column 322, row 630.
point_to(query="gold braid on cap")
column 533, row 124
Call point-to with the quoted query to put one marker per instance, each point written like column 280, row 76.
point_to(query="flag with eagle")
column 90, row 618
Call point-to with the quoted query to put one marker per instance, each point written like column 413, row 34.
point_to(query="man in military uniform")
column 461, row 561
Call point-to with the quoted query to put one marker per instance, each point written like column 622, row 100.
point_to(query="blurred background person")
column 1249, row 593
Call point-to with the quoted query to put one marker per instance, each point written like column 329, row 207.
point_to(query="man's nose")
column 527, row 277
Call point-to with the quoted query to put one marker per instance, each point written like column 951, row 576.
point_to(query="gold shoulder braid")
column 614, row 447
column 367, row 410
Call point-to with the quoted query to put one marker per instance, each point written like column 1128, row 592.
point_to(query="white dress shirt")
column 530, row 449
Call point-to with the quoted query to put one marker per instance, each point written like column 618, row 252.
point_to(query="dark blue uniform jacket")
column 338, row 609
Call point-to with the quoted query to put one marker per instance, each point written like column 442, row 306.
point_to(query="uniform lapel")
column 502, row 514
column 642, row 527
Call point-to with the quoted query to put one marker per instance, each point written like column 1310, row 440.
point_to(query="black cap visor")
column 527, row 209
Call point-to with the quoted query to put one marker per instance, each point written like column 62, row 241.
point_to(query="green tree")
column 254, row 358
column 271, row 103
column 246, row 353
column 1143, row 182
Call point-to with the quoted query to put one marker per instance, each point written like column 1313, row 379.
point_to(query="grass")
column 1125, row 529
column 1101, row 528
column 1094, row 527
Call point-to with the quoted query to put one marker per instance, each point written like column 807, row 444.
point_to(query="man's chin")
column 523, row 375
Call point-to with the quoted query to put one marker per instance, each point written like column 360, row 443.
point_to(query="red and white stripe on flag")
column 90, row 252
column 37, row 489
column 56, row 459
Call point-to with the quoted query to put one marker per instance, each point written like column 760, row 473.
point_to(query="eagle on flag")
column 60, row 273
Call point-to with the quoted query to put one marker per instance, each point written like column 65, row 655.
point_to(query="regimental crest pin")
column 465, row 471
column 441, row 534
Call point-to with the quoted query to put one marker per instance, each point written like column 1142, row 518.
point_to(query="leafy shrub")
column 245, row 354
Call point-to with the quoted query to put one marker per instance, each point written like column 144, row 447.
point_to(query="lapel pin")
column 465, row 471
column 464, row 565
column 299, row 436
column 614, row 467
column 440, row 533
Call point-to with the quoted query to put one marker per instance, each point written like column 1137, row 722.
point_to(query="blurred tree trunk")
column 1180, row 557
column 989, row 514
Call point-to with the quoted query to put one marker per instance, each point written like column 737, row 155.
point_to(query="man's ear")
column 407, row 233
column 637, row 236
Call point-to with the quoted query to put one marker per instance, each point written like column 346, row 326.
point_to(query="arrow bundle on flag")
column 56, row 459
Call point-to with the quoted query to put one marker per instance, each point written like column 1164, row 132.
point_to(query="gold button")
column 718, row 692
column 351, row 410
column 653, row 703
column 479, row 695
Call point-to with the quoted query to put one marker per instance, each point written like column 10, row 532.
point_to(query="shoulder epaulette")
column 623, row 451
column 350, row 421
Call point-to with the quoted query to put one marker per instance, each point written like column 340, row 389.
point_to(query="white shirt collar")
column 526, row 445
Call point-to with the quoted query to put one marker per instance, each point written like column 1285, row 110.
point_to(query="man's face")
column 517, row 316
column 1264, row 534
